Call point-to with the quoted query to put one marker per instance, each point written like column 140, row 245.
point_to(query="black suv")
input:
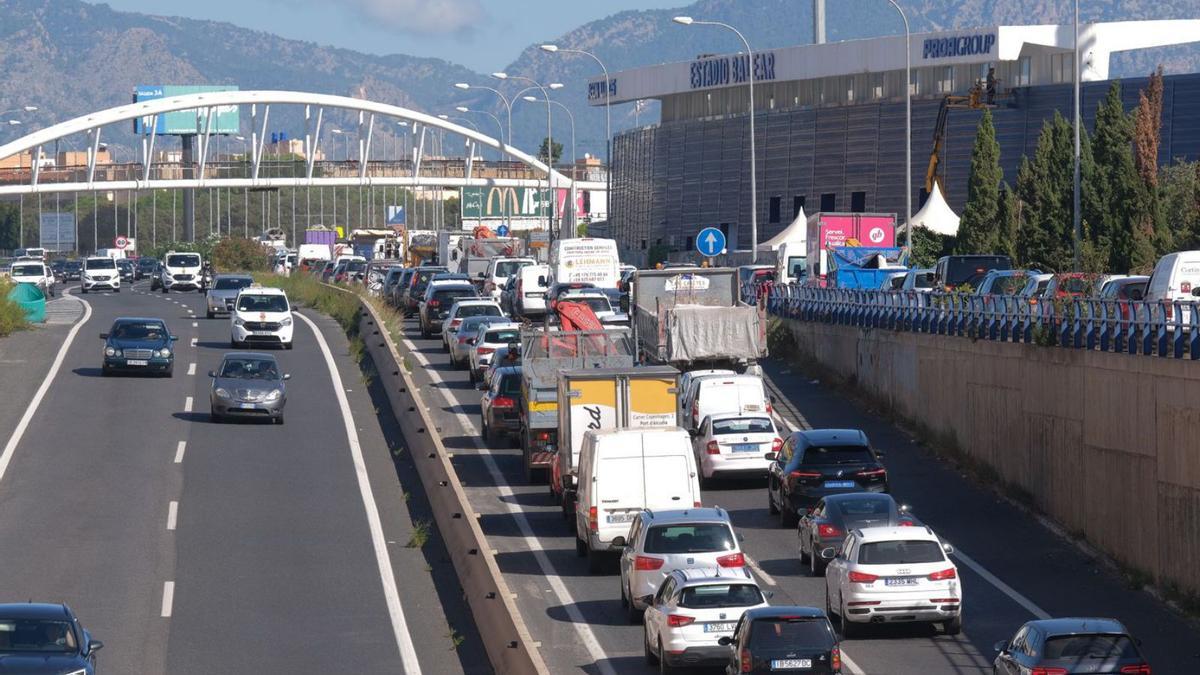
column 820, row 462
column 437, row 303
column 783, row 640
column 416, row 288
column 43, row 638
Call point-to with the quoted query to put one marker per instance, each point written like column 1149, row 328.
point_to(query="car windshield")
column 865, row 506
column 149, row 330
column 695, row 538
column 231, row 283
column 923, row 280
column 465, row 311
column 716, row 596
column 73, row 265
column 742, row 425
column 124, row 263
column 101, row 264
column 450, row 294
column 510, row 267
column 252, row 302
column 971, row 269
column 27, row 270
column 250, row 369
column 836, row 454
column 900, row 552
column 183, row 260
column 36, row 635
column 1089, row 647
column 768, row 634
column 510, row 384
column 356, row 265
column 504, row 336
column 147, row 262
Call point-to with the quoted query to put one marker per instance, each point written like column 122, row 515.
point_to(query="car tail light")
column 679, row 620
column 454, row 323
column 1042, row 670
column 713, row 448
column 835, row 658
column 645, row 563
column 543, row 435
column 794, row 475
column 485, row 350
column 872, row 473
column 732, row 560
column 593, row 519
column 943, row 601
column 862, row 577
column 435, row 303
column 697, row 504
column 504, row 402
column 1139, row 669
column 463, row 340
column 945, row 574
column 906, row 523
column 747, row 663
column 770, row 409
column 827, row 530
column 695, row 410
column 777, row 445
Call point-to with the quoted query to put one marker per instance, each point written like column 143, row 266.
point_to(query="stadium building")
column 830, row 123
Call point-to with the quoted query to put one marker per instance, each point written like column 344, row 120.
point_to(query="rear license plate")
column 754, row 407
column 745, row 447
column 137, row 362
column 790, row 664
column 719, row 627
column 839, row 483
column 535, row 295
column 900, row 581
column 619, row 518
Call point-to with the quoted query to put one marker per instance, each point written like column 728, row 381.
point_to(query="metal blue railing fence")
column 1164, row 329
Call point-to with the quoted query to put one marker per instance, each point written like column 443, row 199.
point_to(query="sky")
column 484, row 35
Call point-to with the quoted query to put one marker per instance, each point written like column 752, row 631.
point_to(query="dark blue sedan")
column 139, row 345
column 42, row 638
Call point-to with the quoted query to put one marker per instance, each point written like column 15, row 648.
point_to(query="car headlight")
column 222, row 392
column 273, row 395
column 109, row 351
column 164, row 353
column 286, row 322
column 237, row 321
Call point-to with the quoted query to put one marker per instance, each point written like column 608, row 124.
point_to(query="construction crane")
column 981, row 95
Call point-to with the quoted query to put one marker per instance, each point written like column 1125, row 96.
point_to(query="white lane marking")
column 191, row 369
column 531, row 541
column 195, row 325
column 187, row 404
column 850, row 665
column 179, row 452
column 408, row 653
column 758, row 570
column 172, row 515
column 168, row 598
column 194, row 341
column 1001, row 586
column 189, row 310
column 31, row 409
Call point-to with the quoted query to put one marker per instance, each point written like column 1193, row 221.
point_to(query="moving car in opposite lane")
column 180, row 271
column 100, row 272
column 136, row 344
column 40, row 638
column 248, row 385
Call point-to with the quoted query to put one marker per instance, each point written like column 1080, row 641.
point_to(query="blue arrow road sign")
column 710, row 242
column 502, row 231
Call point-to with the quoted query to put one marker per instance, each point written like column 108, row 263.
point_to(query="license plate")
column 754, row 407
column 246, row 406
column 899, row 581
column 262, row 332
column 619, row 518
column 719, row 627
column 137, row 362
column 745, row 447
column 839, row 483
column 790, row 664
column 535, row 295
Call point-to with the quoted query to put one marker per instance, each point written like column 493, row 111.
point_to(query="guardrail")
column 1165, row 329
column 509, row 645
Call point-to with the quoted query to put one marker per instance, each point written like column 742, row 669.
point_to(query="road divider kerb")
column 509, row 645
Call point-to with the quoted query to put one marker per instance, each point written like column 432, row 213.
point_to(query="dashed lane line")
column 187, row 404
column 179, row 450
column 168, row 598
column 191, row 369
column 172, row 515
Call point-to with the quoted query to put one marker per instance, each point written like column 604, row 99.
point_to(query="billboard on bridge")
column 184, row 122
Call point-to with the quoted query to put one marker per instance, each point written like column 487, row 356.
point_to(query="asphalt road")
column 193, row 547
column 1012, row 567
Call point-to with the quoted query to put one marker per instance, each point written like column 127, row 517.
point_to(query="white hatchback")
column 893, row 574
column 488, row 339
column 34, row 272
column 692, row 610
column 732, row 444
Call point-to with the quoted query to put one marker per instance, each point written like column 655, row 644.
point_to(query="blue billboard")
column 191, row 121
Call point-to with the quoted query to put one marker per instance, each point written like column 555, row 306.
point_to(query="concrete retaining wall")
column 1106, row 444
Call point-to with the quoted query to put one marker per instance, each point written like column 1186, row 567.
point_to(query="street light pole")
column 907, row 128
column 549, row 142
column 1077, row 231
column 574, row 157
column 499, row 125
column 607, row 117
column 508, row 108
column 688, row 21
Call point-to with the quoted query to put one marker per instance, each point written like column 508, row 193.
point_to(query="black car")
column 783, row 640
column 138, row 344
column 1070, row 645
column 145, row 267
column 72, row 270
column 416, row 288
column 820, row 462
column 126, row 269
column 501, row 405
column 833, row 516
column 437, row 303
column 59, row 268
column 40, row 638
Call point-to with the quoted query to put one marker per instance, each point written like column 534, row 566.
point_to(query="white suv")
column 662, row 541
column 692, row 610
column 99, row 272
column 893, row 574
column 181, row 271
column 261, row 315
column 34, row 272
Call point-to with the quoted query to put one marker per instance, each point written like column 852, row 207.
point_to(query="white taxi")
column 261, row 316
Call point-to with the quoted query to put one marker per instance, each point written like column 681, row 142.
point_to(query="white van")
column 585, row 259
column 181, row 270
column 498, row 272
column 1175, row 277
column 531, row 290
column 621, row 472
column 740, row 394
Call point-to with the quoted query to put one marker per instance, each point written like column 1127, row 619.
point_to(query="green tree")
column 1045, row 187
column 978, row 231
column 1180, row 197
column 9, row 227
column 928, row 246
column 557, row 149
column 236, row 254
column 1127, row 219
column 1008, row 218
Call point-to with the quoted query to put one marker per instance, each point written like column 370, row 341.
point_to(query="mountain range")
column 70, row 57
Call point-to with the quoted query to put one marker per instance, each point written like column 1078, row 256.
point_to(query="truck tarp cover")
column 701, row 333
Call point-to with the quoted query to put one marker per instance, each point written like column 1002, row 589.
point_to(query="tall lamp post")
column 21, row 219
column 689, row 21
column 549, row 140
column 907, row 128
column 465, row 109
column 508, row 109
column 607, row 112
column 1076, row 231
column 574, row 159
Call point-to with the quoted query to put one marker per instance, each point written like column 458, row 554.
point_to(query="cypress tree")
column 1126, row 224
column 1044, row 185
column 979, row 229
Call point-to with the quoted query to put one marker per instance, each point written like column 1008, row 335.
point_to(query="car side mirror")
column 949, row 549
column 94, row 646
column 212, row 374
column 104, row 336
column 1000, row 647
column 287, row 376
column 647, row 600
column 768, row 594
column 771, row 456
column 828, row 553
column 173, row 338
column 618, row 542
column 725, row 641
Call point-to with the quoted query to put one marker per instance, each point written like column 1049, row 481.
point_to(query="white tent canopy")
column 797, row 232
column 936, row 215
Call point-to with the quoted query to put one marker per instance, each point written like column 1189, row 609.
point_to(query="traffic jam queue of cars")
column 631, row 447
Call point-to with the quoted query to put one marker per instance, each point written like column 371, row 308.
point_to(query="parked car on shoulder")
column 816, row 463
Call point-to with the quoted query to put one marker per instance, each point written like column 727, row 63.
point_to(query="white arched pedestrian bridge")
column 202, row 172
